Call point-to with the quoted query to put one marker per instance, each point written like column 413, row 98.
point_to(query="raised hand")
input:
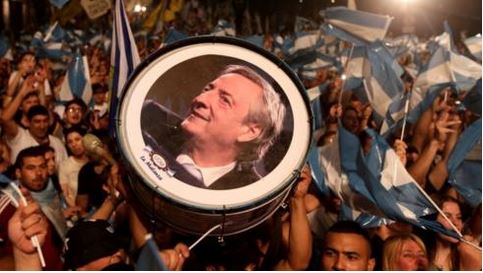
column 175, row 258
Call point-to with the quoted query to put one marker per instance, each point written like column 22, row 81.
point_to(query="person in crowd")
column 17, row 252
column 31, row 172
column 350, row 120
column 74, row 113
column 94, row 245
column 405, row 252
column 70, row 167
column 49, row 154
column 99, row 98
column 17, row 107
column 25, row 67
column 231, row 123
column 381, row 233
column 347, row 247
column 436, row 131
column 37, row 133
column 92, row 178
column 449, row 253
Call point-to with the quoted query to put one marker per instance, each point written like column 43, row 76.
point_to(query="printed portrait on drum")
column 216, row 123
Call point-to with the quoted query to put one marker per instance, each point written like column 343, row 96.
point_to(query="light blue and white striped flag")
column 356, row 26
column 77, row 82
column 337, row 162
column 366, row 220
column 382, row 82
column 306, row 41
column 392, row 188
column 124, row 56
column 355, row 206
column 464, row 164
column 445, row 67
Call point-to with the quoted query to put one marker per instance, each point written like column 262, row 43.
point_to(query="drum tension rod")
column 221, row 239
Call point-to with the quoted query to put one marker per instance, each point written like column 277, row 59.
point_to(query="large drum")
column 213, row 130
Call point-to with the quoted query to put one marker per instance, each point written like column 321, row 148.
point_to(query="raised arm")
column 299, row 234
column 9, row 125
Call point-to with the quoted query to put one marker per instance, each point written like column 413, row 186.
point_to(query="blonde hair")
column 393, row 247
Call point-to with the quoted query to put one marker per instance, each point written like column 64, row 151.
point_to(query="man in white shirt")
column 231, row 124
column 37, row 134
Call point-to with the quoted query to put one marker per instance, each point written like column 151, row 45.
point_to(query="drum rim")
column 229, row 41
column 282, row 196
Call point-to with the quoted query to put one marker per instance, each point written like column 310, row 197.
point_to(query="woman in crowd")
column 404, row 252
column 449, row 253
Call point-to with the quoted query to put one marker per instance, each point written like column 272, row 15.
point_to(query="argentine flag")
column 77, row 81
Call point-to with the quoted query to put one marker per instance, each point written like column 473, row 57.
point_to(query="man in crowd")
column 347, row 247
column 37, row 133
column 231, row 124
column 31, row 172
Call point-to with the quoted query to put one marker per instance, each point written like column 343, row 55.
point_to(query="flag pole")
column 405, row 118
column 345, row 76
column 406, row 111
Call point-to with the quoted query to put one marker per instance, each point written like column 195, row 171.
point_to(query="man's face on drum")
column 217, row 115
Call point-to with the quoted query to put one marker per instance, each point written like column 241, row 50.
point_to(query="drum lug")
column 221, row 240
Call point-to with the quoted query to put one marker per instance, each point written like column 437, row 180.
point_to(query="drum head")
column 209, row 143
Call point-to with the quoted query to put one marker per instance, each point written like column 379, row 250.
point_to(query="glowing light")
column 139, row 8
column 343, row 77
column 332, row 1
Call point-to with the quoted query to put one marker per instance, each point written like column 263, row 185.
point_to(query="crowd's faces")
column 39, row 126
column 27, row 64
column 74, row 114
column 33, row 174
column 453, row 212
column 350, row 121
column 50, row 160
column 411, row 257
column 29, row 101
column 74, row 143
column 217, row 114
column 346, row 251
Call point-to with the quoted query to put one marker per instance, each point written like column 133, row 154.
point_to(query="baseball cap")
column 88, row 241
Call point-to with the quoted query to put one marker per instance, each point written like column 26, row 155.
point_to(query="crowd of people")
column 82, row 212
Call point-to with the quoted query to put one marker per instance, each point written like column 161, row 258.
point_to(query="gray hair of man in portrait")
column 269, row 113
